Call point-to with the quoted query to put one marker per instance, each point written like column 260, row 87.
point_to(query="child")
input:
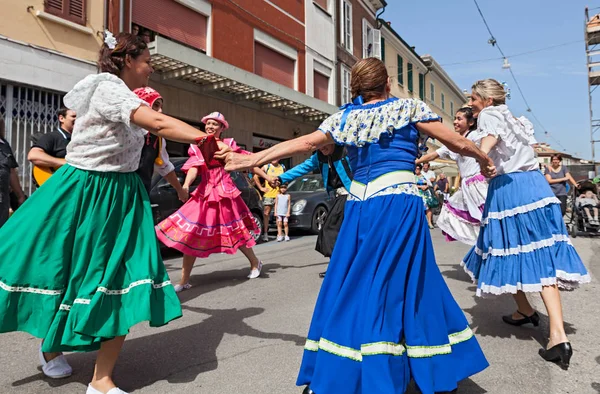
column 283, row 205
column 589, row 200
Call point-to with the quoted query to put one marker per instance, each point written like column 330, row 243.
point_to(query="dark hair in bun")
column 113, row 60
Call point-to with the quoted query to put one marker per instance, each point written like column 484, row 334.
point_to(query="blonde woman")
column 523, row 245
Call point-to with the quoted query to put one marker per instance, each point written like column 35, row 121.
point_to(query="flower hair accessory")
column 506, row 89
column 110, row 40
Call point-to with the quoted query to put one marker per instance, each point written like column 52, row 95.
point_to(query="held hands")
column 488, row 169
column 274, row 181
column 184, row 193
column 236, row 161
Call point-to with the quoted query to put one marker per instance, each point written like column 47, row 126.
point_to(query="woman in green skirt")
column 80, row 260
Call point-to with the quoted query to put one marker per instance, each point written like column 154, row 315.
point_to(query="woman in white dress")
column 460, row 217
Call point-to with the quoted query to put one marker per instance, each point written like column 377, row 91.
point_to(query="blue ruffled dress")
column 523, row 243
column 385, row 315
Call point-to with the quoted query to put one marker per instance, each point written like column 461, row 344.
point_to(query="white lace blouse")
column 103, row 138
column 513, row 152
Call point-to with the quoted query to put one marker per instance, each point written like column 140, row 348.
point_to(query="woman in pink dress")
column 215, row 219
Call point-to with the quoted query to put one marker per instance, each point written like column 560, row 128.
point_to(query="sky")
column 553, row 81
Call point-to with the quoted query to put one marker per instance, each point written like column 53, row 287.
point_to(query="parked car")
column 310, row 203
column 163, row 196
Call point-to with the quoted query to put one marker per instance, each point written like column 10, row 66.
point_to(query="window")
column 422, row 87
column 400, row 70
column 382, row 50
column 346, row 92
column 321, row 86
column 371, row 41
column 71, row 10
column 409, row 75
column 451, row 108
column 443, row 102
column 432, row 92
column 273, row 65
column 346, row 24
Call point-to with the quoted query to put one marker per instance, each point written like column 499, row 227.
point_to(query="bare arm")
column 304, row 144
column 190, row 177
column 182, row 194
column 571, row 180
column 459, row 144
column 165, row 126
column 428, row 157
column 457, row 182
column 259, row 183
column 558, row 180
column 289, row 210
column 41, row 159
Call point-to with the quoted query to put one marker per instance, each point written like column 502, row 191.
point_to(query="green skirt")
column 81, row 263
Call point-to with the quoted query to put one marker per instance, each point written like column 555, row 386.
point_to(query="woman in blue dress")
column 384, row 314
column 523, row 245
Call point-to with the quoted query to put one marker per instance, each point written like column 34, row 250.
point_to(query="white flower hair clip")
column 110, row 40
column 506, row 89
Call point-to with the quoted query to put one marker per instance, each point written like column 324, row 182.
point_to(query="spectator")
column 9, row 178
column 442, row 187
column 273, row 169
column 283, row 206
column 557, row 176
column 429, row 174
column 425, row 194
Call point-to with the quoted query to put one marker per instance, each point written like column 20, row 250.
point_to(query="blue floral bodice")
column 380, row 137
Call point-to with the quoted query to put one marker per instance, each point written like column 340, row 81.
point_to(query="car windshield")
column 307, row 184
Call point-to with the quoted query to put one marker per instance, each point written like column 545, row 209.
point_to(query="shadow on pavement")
column 467, row 386
column 486, row 317
column 177, row 356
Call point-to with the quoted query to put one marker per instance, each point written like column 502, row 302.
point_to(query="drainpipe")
column 121, row 15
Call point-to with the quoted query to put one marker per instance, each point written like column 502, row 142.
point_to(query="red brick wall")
column 233, row 31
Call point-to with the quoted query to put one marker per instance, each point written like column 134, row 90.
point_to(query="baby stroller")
column 580, row 223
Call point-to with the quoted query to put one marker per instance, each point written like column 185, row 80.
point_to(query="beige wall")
column 243, row 121
column 450, row 97
column 393, row 48
column 20, row 23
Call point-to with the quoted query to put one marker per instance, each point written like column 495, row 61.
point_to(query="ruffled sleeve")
column 491, row 123
column 195, row 160
column 446, row 153
column 115, row 102
column 420, row 112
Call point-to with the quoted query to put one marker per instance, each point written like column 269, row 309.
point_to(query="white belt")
column 363, row 192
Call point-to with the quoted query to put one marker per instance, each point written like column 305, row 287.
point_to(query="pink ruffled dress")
column 215, row 219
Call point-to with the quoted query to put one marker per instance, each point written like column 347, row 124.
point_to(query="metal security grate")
column 27, row 111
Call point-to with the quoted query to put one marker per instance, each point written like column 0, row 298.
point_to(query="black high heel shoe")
column 307, row 390
column 533, row 319
column 561, row 353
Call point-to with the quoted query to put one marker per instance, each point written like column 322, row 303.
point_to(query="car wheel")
column 259, row 224
column 318, row 219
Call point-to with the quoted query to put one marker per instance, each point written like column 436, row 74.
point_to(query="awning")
column 174, row 61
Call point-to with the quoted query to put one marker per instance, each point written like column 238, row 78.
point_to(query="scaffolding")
column 592, row 49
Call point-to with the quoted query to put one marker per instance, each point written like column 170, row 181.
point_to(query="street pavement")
column 246, row 336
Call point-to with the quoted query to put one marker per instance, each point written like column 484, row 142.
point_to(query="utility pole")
column 592, row 51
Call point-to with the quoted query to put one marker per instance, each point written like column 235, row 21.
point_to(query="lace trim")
column 388, row 348
column 20, row 289
column 544, row 243
column 564, row 280
column 396, row 189
column 521, row 209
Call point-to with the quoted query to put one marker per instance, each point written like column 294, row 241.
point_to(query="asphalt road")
column 241, row 336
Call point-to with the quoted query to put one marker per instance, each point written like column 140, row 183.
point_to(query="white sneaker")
column 91, row 390
column 255, row 273
column 57, row 368
column 279, row 238
column 179, row 288
column 265, row 238
column 287, row 238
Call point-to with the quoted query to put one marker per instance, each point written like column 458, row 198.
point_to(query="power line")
column 515, row 55
column 492, row 41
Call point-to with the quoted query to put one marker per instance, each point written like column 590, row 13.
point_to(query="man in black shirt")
column 9, row 178
column 50, row 149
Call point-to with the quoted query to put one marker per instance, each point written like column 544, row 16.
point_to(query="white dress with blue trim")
column 523, row 243
column 384, row 314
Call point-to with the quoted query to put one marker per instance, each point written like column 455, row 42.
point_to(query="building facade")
column 45, row 48
column 441, row 92
column 357, row 36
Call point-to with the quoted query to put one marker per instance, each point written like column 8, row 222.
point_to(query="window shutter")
column 321, row 87
column 409, row 72
column 54, row 6
column 377, row 44
column 422, row 86
column 76, row 10
column 365, row 39
column 274, row 66
column 400, row 70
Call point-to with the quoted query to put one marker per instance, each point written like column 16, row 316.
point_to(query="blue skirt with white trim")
column 523, row 243
column 384, row 314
